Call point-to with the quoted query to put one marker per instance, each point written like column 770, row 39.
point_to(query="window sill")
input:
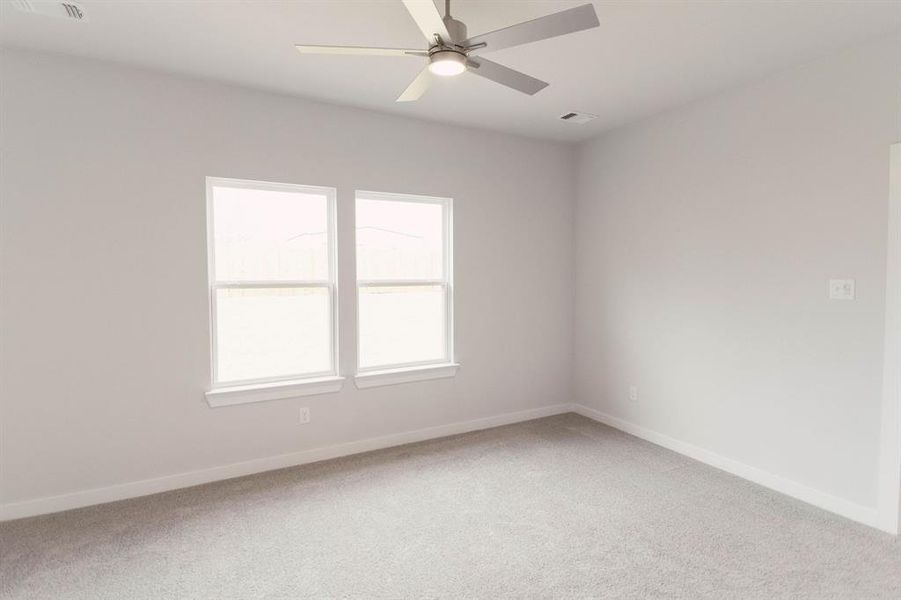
column 407, row 375
column 279, row 390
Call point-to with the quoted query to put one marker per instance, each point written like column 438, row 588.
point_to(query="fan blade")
column 542, row 28
column 428, row 19
column 506, row 76
column 417, row 87
column 359, row 50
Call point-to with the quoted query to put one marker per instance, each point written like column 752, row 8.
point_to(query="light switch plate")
column 841, row 289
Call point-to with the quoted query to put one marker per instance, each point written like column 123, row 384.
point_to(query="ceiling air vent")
column 577, row 117
column 65, row 10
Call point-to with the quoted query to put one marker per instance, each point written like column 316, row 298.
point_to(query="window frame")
column 446, row 282
column 224, row 391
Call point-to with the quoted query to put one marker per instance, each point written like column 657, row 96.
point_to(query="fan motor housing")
column 456, row 29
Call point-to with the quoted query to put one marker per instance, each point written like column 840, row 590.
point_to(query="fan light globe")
column 447, row 63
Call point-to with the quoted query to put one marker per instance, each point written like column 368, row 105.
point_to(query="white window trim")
column 287, row 386
column 262, row 392
column 407, row 375
column 417, row 371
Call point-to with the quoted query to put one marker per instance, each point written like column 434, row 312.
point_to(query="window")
column 272, row 283
column 404, row 283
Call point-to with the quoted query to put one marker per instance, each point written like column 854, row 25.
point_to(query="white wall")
column 705, row 237
column 104, row 302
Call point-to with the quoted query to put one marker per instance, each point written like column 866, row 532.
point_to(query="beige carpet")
column 556, row 508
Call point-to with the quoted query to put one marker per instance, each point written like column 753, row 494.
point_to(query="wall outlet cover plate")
column 841, row 289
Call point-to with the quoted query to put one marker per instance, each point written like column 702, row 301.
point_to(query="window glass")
column 400, row 325
column 269, row 235
column 272, row 332
column 399, row 240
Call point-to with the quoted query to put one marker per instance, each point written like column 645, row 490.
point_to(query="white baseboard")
column 144, row 487
column 856, row 512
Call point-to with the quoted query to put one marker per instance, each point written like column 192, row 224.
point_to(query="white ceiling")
column 646, row 55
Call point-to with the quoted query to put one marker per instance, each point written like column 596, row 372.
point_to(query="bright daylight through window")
column 405, row 295
column 272, row 281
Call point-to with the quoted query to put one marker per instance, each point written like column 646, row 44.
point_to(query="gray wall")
column 705, row 237
column 104, row 305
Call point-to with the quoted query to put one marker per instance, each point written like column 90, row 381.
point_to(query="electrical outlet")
column 304, row 415
column 841, row 289
column 633, row 393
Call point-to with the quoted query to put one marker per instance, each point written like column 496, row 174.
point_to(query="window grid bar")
column 270, row 284
column 401, row 282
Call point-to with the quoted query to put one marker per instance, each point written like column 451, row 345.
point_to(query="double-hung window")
column 272, row 288
column 404, row 287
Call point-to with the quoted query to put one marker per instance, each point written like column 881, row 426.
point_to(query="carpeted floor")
column 555, row 508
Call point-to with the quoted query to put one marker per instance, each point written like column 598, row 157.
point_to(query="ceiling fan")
column 451, row 52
